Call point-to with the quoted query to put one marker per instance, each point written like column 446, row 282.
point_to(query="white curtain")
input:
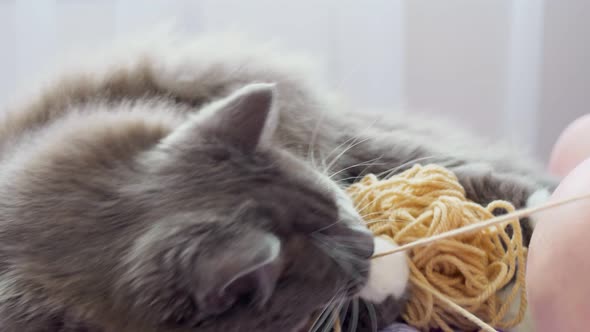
column 477, row 62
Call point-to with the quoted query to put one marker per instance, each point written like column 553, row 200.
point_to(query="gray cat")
column 198, row 186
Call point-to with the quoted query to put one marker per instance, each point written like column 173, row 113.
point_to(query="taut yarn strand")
column 455, row 282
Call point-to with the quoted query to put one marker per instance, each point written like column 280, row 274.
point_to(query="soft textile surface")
column 399, row 328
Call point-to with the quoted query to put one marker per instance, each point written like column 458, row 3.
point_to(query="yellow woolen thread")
column 468, row 270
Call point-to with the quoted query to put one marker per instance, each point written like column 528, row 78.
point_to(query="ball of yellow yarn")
column 470, row 270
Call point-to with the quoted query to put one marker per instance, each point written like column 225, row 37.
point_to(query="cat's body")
column 140, row 197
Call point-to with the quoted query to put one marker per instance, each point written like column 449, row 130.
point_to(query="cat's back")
column 119, row 107
column 138, row 93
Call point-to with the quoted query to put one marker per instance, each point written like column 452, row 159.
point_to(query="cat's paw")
column 539, row 197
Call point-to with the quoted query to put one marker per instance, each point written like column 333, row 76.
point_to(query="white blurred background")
column 516, row 70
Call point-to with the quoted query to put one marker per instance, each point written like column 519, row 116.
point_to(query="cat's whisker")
column 379, row 220
column 352, row 179
column 388, row 173
column 335, row 313
column 369, row 163
column 346, row 241
column 366, row 215
column 313, row 141
column 348, row 259
column 362, row 173
column 323, row 315
column 348, row 141
column 372, row 316
column 327, row 226
column 332, row 250
column 339, row 240
column 353, row 144
column 343, row 312
column 391, row 172
column 329, row 246
column 354, row 319
column 360, row 209
column 342, row 258
column 326, row 311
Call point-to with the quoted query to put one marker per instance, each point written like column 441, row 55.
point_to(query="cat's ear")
column 247, row 267
column 246, row 119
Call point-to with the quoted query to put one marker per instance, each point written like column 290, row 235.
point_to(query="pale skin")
column 558, row 268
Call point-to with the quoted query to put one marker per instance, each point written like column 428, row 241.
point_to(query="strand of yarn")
column 467, row 270
column 499, row 220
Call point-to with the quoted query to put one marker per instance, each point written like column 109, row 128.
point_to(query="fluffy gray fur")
column 132, row 189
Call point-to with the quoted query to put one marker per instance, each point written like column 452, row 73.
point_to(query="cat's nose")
column 366, row 245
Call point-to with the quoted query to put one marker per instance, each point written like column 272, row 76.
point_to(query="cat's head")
column 238, row 233
column 151, row 224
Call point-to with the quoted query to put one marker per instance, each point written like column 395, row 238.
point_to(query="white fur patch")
column 527, row 323
column 537, row 198
column 388, row 275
